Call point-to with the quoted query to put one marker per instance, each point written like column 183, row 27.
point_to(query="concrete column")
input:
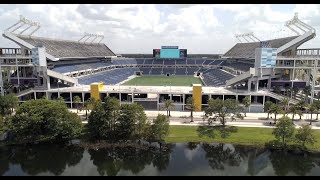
column 48, row 82
column 250, row 103
column 71, row 100
column 249, row 85
column 1, row 82
column 183, row 101
column 197, row 96
column 257, row 85
column 158, row 99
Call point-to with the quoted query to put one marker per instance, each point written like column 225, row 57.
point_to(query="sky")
column 139, row 28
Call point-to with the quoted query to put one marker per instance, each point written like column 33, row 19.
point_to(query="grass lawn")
column 244, row 136
column 163, row 81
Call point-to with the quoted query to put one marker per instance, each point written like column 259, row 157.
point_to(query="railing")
column 295, row 41
column 61, row 76
column 240, row 77
column 280, row 97
column 145, row 99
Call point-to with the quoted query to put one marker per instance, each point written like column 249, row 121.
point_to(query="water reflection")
column 172, row 159
column 110, row 161
column 43, row 158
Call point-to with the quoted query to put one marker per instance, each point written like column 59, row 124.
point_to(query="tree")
column 60, row 100
column 191, row 105
column 284, row 130
column 160, row 128
column 7, row 104
column 8, row 87
column 287, row 90
column 77, row 101
column 103, row 119
column 284, row 103
column 168, row 106
column 276, row 109
column 219, row 109
column 131, row 122
column 277, row 89
column 301, row 107
column 140, row 120
column 305, row 135
column 44, row 120
column 1, row 125
column 13, row 102
column 311, row 109
column 306, row 91
column 293, row 110
column 88, row 105
column 267, row 107
column 246, row 102
column 295, row 91
column 317, row 107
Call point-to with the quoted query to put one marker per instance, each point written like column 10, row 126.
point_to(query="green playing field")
column 163, row 81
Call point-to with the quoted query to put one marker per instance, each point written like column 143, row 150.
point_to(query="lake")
column 174, row 159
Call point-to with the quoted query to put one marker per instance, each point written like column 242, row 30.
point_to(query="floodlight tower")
column 295, row 22
column 22, row 22
column 88, row 36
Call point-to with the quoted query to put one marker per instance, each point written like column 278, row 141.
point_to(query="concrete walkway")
column 252, row 119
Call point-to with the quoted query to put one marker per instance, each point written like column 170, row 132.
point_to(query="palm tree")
column 293, row 110
column 301, row 106
column 77, row 101
column 306, row 91
column 317, row 106
column 311, row 110
column 276, row 109
column 287, row 89
column 277, row 89
column 246, row 102
column 285, row 105
column 191, row 105
column 267, row 107
column 8, row 87
column 295, row 91
column 89, row 105
column 168, row 106
column 60, row 100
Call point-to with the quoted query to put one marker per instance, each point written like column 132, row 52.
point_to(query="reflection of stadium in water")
column 258, row 161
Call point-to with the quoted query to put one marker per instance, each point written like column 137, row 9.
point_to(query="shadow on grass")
column 213, row 131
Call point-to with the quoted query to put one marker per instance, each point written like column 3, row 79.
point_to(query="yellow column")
column 197, row 96
column 95, row 89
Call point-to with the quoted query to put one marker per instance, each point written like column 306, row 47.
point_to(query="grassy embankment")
column 244, row 136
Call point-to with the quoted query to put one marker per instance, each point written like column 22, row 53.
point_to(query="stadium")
column 53, row 68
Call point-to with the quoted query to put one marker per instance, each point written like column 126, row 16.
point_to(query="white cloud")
column 132, row 28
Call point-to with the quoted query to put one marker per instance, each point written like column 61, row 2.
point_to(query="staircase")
column 297, row 41
column 241, row 77
column 25, row 92
column 280, row 97
column 62, row 77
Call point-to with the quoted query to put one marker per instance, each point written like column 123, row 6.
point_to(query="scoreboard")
column 170, row 52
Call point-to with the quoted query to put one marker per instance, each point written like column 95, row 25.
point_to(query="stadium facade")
column 53, row 68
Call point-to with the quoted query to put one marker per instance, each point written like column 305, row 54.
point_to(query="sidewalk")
column 252, row 119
